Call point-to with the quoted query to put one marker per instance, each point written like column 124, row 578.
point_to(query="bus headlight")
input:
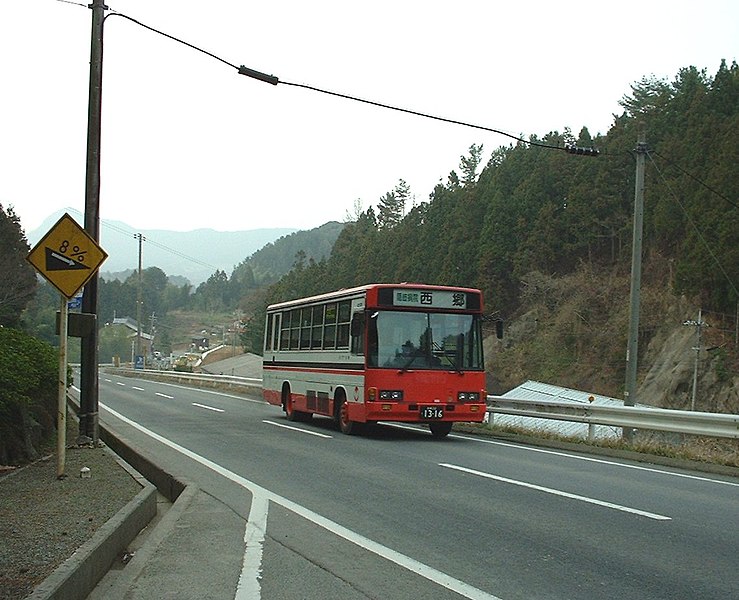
column 468, row 396
column 394, row 395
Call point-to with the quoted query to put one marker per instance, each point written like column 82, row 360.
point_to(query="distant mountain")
column 276, row 258
column 195, row 255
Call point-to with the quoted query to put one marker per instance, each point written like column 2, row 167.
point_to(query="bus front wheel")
column 441, row 429
column 342, row 417
column 289, row 408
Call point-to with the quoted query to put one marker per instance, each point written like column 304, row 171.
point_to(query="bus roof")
column 363, row 289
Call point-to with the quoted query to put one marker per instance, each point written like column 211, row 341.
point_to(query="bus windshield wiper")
column 408, row 363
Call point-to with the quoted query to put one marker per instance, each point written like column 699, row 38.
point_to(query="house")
column 131, row 325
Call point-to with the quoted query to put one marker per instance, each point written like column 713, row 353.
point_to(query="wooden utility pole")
column 139, row 297
column 89, row 346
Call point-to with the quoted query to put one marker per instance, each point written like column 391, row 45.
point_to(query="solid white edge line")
column 249, row 587
column 323, row 435
column 206, row 407
column 429, row 573
column 561, row 493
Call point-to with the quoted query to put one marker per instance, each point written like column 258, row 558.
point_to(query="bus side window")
column 276, row 331
column 329, row 330
column 342, row 332
column 372, row 347
column 268, row 334
column 357, row 333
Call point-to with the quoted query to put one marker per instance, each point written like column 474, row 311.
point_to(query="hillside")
column 545, row 229
column 572, row 331
column 275, row 259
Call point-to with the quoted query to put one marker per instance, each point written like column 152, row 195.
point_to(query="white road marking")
column 138, row 389
column 205, row 406
column 323, row 435
column 602, row 461
column 249, row 587
column 164, row 395
column 440, row 578
column 121, row 384
column 540, row 488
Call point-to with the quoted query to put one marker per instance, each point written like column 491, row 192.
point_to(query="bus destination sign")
column 430, row 299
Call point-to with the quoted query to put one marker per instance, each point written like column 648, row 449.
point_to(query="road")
column 398, row 514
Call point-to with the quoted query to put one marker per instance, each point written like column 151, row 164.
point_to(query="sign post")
column 61, row 434
column 67, row 257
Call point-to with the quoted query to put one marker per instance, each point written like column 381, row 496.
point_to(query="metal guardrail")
column 229, row 381
column 659, row 419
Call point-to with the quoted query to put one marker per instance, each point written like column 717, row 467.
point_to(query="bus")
column 408, row 353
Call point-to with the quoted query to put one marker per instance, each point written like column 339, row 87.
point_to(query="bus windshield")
column 420, row 340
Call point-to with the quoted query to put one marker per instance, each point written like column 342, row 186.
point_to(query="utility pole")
column 698, row 325
column 632, row 349
column 139, row 296
column 88, row 427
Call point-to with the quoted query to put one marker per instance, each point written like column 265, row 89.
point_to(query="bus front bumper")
column 411, row 412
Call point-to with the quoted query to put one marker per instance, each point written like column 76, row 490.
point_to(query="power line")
column 695, row 227
column 694, row 178
column 273, row 80
column 152, row 242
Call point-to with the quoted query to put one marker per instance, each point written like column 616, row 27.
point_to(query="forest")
column 536, row 210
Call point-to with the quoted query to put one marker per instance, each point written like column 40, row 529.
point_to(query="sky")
column 188, row 143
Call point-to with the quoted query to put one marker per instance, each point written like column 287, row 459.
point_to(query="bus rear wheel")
column 441, row 429
column 290, row 413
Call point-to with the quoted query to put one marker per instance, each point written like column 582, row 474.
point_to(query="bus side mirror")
column 499, row 329
column 357, row 326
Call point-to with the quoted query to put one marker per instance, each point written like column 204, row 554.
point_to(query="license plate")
column 432, row 412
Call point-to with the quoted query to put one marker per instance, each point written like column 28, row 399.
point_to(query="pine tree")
column 19, row 277
column 468, row 164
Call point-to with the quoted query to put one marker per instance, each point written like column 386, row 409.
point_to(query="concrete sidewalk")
column 171, row 541
column 183, row 556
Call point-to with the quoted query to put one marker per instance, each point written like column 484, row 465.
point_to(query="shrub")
column 28, row 395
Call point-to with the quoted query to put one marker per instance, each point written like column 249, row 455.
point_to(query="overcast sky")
column 188, row 143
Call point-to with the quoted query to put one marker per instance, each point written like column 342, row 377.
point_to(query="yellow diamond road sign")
column 67, row 256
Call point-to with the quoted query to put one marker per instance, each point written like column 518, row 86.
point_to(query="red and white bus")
column 402, row 352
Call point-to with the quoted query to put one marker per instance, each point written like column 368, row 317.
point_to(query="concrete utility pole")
column 632, row 349
column 698, row 325
column 89, row 347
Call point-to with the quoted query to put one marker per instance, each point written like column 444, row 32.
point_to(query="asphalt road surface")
column 398, row 514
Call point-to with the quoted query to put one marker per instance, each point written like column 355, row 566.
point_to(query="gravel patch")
column 44, row 520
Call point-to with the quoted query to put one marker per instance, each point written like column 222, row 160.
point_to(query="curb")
column 125, row 581
column 78, row 576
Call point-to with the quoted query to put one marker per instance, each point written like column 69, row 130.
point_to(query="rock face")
column 542, row 342
column 672, row 357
